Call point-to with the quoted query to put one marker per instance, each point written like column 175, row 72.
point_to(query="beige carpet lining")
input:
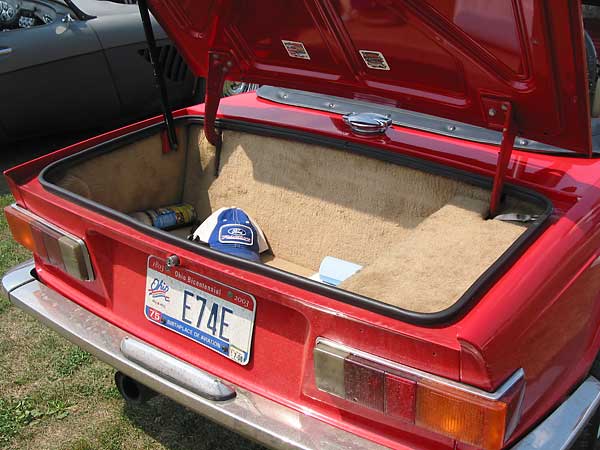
column 421, row 238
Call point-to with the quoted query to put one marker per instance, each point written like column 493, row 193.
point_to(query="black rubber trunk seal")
column 452, row 313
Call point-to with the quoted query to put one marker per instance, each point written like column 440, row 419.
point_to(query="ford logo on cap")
column 237, row 231
column 231, row 231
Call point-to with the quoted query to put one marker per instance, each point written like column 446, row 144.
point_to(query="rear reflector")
column 461, row 412
column 51, row 244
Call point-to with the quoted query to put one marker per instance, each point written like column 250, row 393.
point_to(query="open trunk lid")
column 516, row 65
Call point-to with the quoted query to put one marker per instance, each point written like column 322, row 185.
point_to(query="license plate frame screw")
column 172, row 261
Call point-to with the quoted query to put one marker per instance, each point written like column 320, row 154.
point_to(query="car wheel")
column 237, row 87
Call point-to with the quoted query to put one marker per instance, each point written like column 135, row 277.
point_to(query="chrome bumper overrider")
column 245, row 413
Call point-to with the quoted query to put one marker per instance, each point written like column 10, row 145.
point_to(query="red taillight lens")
column 53, row 245
column 458, row 411
column 400, row 396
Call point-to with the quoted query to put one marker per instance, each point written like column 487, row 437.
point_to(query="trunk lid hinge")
column 159, row 76
column 500, row 114
column 219, row 64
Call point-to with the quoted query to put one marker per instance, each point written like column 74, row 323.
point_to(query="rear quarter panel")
column 545, row 314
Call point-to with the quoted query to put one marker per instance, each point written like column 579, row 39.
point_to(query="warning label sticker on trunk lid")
column 296, row 49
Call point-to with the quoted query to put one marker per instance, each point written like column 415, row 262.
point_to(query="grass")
column 54, row 395
column 18, row 413
column 73, row 360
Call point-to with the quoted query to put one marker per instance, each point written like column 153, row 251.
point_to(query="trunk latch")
column 368, row 122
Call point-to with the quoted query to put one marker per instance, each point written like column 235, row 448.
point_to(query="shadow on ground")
column 15, row 153
column 178, row 428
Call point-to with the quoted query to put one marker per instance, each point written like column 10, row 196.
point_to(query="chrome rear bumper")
column 561, row 429
column 251, row 415
column 248, row 414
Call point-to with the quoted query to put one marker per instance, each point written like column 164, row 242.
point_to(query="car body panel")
column 77, row 74
column 460, row 59
column 54, row 77
column 118, row 25
column 553, row 281
column 62, row 40
column 54, row 90
column 123, row 40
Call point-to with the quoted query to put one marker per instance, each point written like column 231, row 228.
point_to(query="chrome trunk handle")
column 368, row 122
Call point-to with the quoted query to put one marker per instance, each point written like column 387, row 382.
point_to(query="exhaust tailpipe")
column 132, row 391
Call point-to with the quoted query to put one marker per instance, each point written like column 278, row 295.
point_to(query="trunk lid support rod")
column 159, row 76
column 509, row 134
column 219, row 64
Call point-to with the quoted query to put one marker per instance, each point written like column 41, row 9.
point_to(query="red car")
column 445, row 149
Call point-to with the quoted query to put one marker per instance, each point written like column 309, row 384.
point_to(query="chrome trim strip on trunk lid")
column 400, row 117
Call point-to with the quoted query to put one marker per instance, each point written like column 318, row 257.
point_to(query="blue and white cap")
column 232, row 231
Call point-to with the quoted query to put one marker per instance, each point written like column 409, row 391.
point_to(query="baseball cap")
column 232, row 231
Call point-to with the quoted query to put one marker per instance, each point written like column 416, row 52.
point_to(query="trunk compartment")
column 418, row 229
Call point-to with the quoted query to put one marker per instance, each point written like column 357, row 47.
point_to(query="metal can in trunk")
column 167, row 217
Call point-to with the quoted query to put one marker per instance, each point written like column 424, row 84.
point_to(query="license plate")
column 210, row 313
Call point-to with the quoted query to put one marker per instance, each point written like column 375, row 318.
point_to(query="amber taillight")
column 52, row 245
column 461, row 412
